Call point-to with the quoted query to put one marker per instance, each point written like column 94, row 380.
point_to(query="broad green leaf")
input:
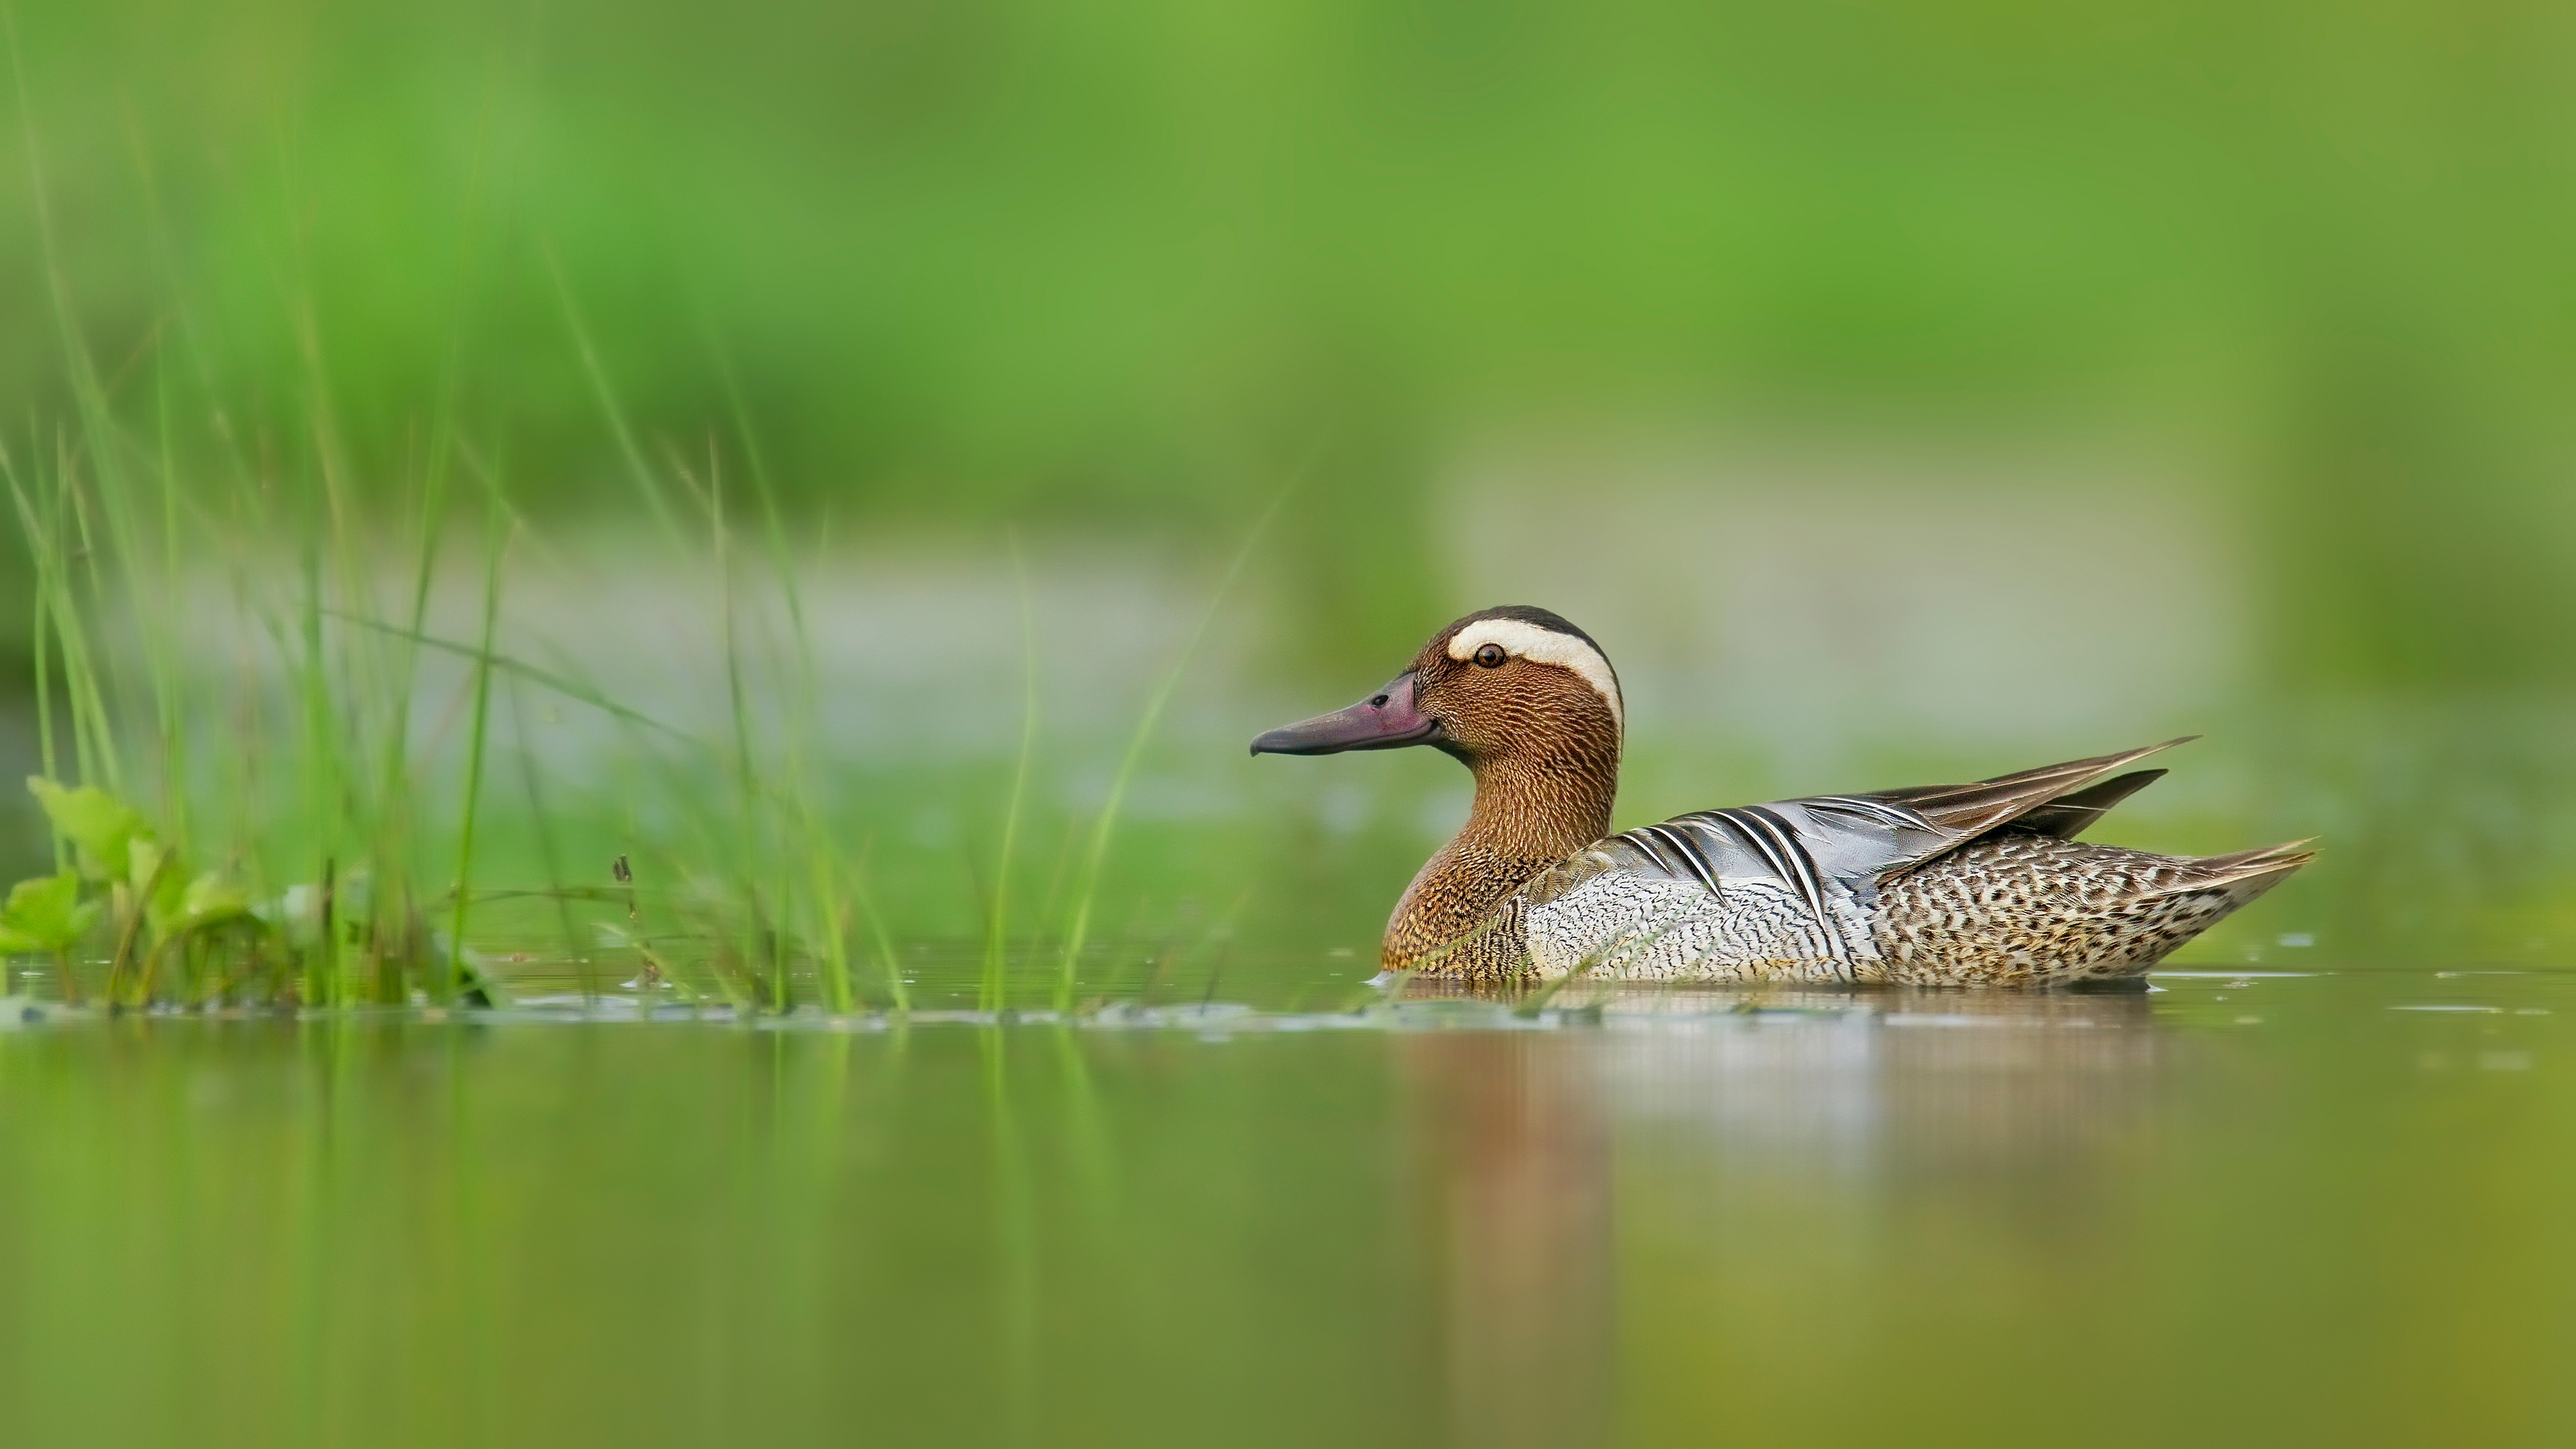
column 99, row 826
column 48, row 910
column 206, row 901
column 18, row 943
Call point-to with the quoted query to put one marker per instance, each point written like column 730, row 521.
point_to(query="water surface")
column 2320, row 1206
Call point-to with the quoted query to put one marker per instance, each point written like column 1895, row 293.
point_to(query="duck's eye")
column 1491, row 656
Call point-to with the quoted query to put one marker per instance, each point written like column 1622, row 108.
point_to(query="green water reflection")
column 2253, row 1208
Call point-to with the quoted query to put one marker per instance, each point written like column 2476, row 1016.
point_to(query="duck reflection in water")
column 1716, row 1115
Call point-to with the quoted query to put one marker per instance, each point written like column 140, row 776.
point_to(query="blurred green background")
column 1900, row 393
column 1899, row 390
column 1120, row 265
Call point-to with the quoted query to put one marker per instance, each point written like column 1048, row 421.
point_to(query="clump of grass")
column 312, row 888
column 293, row 836
column 290, row 836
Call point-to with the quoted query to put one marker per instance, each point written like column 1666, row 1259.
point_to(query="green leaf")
column 157, row 877
column 205, row 901
column 48, row 912
column 100, row 826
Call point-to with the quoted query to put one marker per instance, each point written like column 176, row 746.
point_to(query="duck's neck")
column 1531, row 811
column 1543, row 808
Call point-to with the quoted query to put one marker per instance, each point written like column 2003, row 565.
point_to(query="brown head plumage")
column 1530, row 704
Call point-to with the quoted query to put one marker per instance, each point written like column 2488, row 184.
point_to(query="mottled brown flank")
column 2029, row 909
column 1544, row 749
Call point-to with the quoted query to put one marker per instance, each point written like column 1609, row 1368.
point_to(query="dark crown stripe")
column 1549, row 620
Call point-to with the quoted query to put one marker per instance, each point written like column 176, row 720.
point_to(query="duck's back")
column 1964, row 884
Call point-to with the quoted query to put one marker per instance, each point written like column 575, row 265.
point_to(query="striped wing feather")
column 1885, row 833
column 1968, row 811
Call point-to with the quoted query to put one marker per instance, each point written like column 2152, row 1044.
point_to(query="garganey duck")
column 1981, row 884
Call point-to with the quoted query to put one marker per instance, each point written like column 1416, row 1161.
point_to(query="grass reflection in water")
column 2014, row 1216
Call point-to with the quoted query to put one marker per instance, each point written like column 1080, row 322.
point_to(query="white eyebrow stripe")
column 1544, row 646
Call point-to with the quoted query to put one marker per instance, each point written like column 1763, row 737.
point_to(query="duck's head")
column 1514, row 683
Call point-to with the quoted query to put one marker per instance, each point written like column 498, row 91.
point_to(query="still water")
column 2246, row 1207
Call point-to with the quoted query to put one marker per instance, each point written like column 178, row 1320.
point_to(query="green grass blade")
column 562, row 684
column 495, row 538
column 1098, row 848
column 997, row 926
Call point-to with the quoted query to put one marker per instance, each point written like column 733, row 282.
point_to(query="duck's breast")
column 1614, row 919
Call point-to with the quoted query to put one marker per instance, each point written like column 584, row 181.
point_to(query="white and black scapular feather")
column 1947, row 883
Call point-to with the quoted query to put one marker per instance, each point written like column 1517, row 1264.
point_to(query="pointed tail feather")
column 2069, row 816
column 1964, row 812
column 2261, row 869
column 2098, row 765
